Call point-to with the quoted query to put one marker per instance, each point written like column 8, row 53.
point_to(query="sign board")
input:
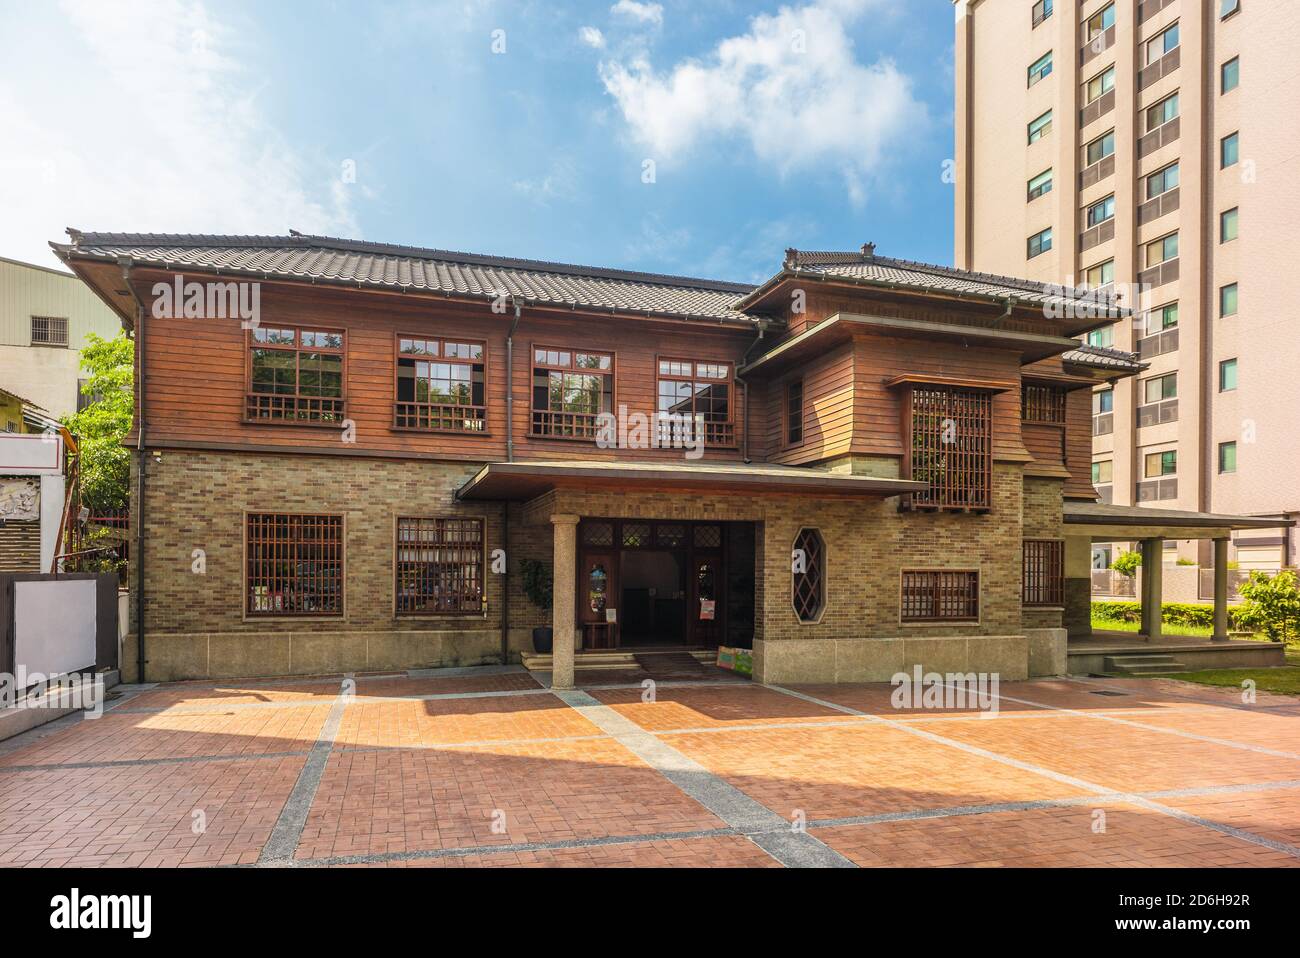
column 31, row 454
column 706, row 610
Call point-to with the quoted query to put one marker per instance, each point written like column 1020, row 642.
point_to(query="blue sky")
column 515, row 128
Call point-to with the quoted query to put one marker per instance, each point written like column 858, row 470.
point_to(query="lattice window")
column 951, row 441
column 1044, row 572
column 295, row 374
column 598, row 533
column 1042, row 404
column 439, row 568
column 670, row 536
column 441, row 385
column 636, row 534
column 49, row 331
column 808, row 571
column 708, row 537
column 571, row 389
column 695, row 393
column 294, row 564
column 935, row 595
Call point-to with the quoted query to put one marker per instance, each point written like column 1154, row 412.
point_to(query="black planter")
column 542, row 639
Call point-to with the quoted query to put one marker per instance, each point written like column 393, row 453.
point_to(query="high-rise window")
column 1101, row 84
column 1103, row 274
column 1040, row 184
column 1104, row 337
column 1040, row 127
column 1227, row 375
column 1229, row 150
column 1227, row 457
column 1101, row 21
column 1228, row 225
column 1101, row 211
column 1162, row 317
column 1160, row 388
column 1103, row 472
column 1161, row 43
column 1228, row 7
column 1100, row 148
column 1162, row 250
column 1162, row 181
column 1162, row 112
column 1160, row 463
column 1228, row 300
column 1040, row 68
column 1103, row 401
column 1041, row 11
column 1039, row 243
column 1230, row 75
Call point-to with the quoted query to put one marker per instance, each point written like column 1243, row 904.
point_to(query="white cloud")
column 641, row 12
column 791, row 86
column 592, row 37
column 150, row 123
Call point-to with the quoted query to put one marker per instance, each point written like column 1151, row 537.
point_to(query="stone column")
column 564, row 599
column 1220, row 590
column 1078, row 586
column 1152, row 589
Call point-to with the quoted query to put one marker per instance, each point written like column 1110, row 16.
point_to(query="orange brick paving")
column 408, row 775
column 1061, row 837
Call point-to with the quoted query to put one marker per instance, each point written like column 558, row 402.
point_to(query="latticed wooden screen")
column 1042, row 404
column 951, row 438
column 294, row 564
column 439, row 567
column 808, row 569
column 935, row 595
column 1044, row 572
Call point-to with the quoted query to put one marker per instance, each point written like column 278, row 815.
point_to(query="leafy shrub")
column 1126, row 564
column 1172, row 613
column 1272, row 604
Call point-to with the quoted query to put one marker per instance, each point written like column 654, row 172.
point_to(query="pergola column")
column 564, row 599
column 1152, row 588
column 1220, row 590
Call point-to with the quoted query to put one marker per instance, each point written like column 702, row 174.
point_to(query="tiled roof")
column 866, row 266
column 1099, row 357
column 327, row 259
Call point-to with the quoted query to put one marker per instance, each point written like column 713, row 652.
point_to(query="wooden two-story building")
column 349, row 453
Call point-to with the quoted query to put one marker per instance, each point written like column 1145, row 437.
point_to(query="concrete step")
column 611, row 658
column 1143, row 664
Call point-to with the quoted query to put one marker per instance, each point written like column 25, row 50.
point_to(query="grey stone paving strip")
column 828, row 823
column 764, row 827
column 1235, row 832
column 280, row 847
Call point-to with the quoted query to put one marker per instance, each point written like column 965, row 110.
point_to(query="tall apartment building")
column 1152, row 148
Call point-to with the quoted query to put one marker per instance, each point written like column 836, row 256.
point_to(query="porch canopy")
column 1105, row 522
column 527, row 480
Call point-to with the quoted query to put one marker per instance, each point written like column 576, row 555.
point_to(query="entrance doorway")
column 651, row 583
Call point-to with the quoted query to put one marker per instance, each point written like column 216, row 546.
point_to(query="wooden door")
column 597, row 600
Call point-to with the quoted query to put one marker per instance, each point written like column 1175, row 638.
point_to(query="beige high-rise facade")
column 1154, row 147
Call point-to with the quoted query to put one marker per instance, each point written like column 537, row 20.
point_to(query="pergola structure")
column 1089, row 522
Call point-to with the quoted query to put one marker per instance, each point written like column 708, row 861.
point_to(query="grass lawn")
column 1119, row 625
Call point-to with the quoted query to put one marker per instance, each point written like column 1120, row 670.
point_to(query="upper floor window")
column 570, row 391
column 692, row 393
column 1230, row 75
column 1040, row 184
column 1229, row 150
column 1104, row 337
column 1103, row 472
column 950, row 435
column 1039, row 243
column 293, row 564
column 1101, row 21
column 1159, row 388
column 1040, row 127
column 1103, row 401
column 1100, row 148
column 1158, row 464
column 295, row 374
column 1041, row 10
column 1162, row 181
column 1228, row 7
column 1162, row 317
column 1228, row 225
column 1101, row 211
column 1103, row 274
column 1162, row 112
column 1227, row 375
column 1227, row 457
column 794, row 413
column 1161, row 43
column 49, row 331
column 438, row 566
column 1042, row 403
column 1040, row 68
column 1161, row 250
column 1101, row 84
column 440, row 385
column 1228, row 300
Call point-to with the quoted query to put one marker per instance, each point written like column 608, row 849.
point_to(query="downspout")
column 142, row 459
column 510, row 457
column 744, row 384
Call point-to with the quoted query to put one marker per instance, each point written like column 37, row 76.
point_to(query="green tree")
column 1272, row 605
column 102, row 425
column 1126, row 563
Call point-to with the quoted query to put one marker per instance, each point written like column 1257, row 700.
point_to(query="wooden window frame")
column 974, row 406
column 718, row 434
column 447, row 413
column 534, row 412
column 786, row 441
column 481, row 608
column 296, row 401
column 817, row 574
column 1043, row 587
column 935, row 585
column 250, row 613
column 1042, row 404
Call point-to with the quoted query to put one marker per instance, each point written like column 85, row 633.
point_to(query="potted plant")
column 538, row 587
